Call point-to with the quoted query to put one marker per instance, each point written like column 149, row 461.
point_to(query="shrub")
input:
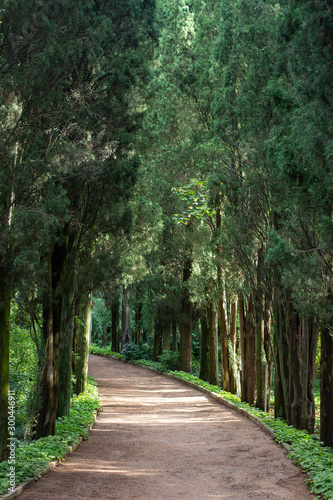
column 133, row 352
column 169, row 360
column 32, row 458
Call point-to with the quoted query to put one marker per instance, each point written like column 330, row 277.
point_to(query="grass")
column 31, row 459
column 306, row 450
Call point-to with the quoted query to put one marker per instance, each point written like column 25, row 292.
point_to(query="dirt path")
column 158, row 439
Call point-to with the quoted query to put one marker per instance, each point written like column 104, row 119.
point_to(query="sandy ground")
column 158, row 439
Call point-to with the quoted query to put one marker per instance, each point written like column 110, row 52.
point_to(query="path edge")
column 50, row 466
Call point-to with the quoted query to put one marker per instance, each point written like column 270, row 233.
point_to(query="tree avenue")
column 166, row 189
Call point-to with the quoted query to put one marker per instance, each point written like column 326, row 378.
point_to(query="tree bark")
column 213, row 344
column 157, row 345
column 126, row 318
column 166, row 334
column 227, row 321
column 260, row 356
column 185, row 354
column 268, row 354
column 233, row 346
column 5, row 298
column 303, row 348
column 326, row 387
column 66, row 346
column 296, row 347
column 247, row 336
column 138, row 324
column 174, row 334
column 47, row 413
column 115, row 325
column 75, row 332
column 52, row 322
column 282, row 361
column 204, row 349
column 81, row 368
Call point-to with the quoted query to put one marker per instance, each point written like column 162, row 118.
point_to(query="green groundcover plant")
column 305, row 450
column 29, row 460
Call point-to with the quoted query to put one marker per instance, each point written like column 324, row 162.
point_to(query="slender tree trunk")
column 75, row 333
column 326, row 387
column 296, row 348
column 224, row 319
column 157, row 345
column 281, row 351
column 138, row 324
column 260, row 356
column 213, row 344
column 66, row 346
column 228, row 381
column 5, row 298
column 126, row 318
column 185, row 354
column 268, row 354
column 247, row 335
column 81, row 368
column 47, row 414
column 166, row 334
column 303, row 345
column 115, row 325
column 233, row 348
column 174, row 334
column 52, row 321
column 204, row 350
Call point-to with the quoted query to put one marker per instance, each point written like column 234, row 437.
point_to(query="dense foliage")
column 175, row 160
column 32, row 458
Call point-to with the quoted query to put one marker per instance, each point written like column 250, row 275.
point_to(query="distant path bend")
column 158, row 439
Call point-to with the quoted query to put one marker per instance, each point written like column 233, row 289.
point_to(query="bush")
column 133, row 352
column 32, row 458
column 169, row 360
column 23, row 377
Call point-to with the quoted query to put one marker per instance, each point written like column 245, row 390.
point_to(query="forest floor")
column 158, row 439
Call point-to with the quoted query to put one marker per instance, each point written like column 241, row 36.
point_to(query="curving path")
column 158, row 439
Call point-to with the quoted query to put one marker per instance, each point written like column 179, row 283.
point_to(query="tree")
column 65, row 134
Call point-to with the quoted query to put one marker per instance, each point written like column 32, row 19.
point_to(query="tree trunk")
column 326, row 387
column 81, row 368
column 303, row 348
column 247, row 336
column 228, row 381
column 66, row 347
column 5, row 297
column 166, row 334
column 52, row 321
column 213, row 344
column 185, row 354
column 233, row 348
column 174, row 334
column 204, row 350
column 75, row 333
column 282, row 362
column 296, row 348
column 157, row 345
column 138, row 324
column 268, row 354
column 260, row 356
column 126, row 317
column 47, row 413
column 115, row 325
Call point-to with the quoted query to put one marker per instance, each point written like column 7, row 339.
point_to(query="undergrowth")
column 306, row 450
column 32, row 458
